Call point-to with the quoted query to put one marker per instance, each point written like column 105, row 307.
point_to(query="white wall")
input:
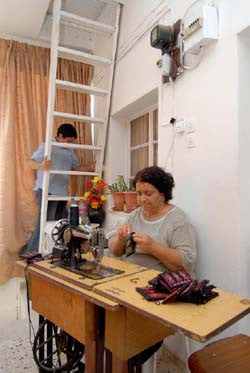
column 244, row 158
column 212, row 179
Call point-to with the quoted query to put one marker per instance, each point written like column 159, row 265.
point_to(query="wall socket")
column 180, row 126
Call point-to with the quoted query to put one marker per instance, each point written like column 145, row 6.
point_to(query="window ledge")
column 122, row 213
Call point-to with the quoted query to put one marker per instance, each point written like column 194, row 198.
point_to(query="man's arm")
column 44, row 165
column 89, row 167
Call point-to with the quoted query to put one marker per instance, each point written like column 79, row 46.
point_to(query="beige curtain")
column 24, row 71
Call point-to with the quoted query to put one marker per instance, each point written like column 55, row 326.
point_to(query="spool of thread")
column 74, row 214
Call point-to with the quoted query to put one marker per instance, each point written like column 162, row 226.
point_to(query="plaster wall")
column 212, row 181
column 244, row 157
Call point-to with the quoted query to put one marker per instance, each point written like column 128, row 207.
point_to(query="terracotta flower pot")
column 131, row 202
column 119, row 200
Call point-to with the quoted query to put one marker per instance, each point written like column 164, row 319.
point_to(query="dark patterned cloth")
column 177, row 285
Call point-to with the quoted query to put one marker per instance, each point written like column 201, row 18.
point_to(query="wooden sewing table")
column 142, row 321
column 132, row 324
column 66, row 299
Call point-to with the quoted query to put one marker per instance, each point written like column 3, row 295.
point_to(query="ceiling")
column 26, row 18
column 22, row 18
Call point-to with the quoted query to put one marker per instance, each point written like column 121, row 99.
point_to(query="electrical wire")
column 31, row 327
column 136, row 37
column 197, row 63
column 131, row 36
column 170, row 152
column 201, row 54
column 189, row 7
column 139, row 33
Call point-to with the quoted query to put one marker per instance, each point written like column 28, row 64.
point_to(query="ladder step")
column 62, row 198
column 79, row 56
column 86, row 22
column 70, row 86
column 76, row 146
column 80, row 118
column 70, row 172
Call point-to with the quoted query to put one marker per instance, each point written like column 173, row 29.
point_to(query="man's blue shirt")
column 62, row 159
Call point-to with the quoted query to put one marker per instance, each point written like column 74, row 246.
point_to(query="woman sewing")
column 164, row 236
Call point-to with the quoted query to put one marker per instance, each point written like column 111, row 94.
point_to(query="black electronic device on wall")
column 162, row 37
column 165, row 38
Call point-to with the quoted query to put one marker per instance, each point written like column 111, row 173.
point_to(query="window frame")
column 151, row 142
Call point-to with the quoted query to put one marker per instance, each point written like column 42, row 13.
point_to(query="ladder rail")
column 50, row 110
column 110, row 85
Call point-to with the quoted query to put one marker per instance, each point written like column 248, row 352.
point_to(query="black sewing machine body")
column 73, row 243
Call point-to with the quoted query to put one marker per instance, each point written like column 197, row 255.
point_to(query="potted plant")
column 117, row 190
column 124, row 197
column 131, row 200
column 95, row 198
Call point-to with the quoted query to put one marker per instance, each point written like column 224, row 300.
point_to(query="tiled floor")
column 15, row 348
column 16, row 356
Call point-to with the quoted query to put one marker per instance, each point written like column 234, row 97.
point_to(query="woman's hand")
column 123, row 232
column 117, row 243
column 143, row 242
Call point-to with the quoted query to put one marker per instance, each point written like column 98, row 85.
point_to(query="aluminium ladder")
column 60, row 16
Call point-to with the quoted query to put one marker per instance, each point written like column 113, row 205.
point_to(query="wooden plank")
column 65, row 309
column 86, row 22
column 83, row 88
column 87, row 283
column 79, row 56
column 76, row 146
column 79, row 118
column 127, row 333
column 199, row 322
column 84, row 293
column 64, row 172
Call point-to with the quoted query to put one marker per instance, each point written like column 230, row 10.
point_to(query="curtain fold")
column 24, row 71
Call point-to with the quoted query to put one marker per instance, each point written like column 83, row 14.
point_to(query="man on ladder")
column 61, row 158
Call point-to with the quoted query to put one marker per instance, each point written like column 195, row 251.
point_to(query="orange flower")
column 95, row 194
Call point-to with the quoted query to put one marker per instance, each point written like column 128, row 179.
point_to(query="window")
column 143, row 141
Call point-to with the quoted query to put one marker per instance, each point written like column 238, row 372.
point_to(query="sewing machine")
column 80, row 249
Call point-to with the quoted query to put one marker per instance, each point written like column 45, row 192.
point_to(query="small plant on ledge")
column 122, row 195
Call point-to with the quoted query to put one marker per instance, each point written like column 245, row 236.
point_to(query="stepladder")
column 90, row 93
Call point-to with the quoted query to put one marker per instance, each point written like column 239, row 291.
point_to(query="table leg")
column 94, row 351
column 100, row 333
column 108, row 361
column 119, row 365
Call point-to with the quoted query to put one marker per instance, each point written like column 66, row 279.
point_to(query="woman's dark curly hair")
column 161, row 180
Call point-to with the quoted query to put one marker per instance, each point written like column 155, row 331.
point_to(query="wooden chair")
column 229, row 355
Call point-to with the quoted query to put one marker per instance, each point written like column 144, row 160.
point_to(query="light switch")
column 191, row 143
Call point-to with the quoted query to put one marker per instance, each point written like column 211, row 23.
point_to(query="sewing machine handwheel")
column 58, row 230
column 59, row 352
